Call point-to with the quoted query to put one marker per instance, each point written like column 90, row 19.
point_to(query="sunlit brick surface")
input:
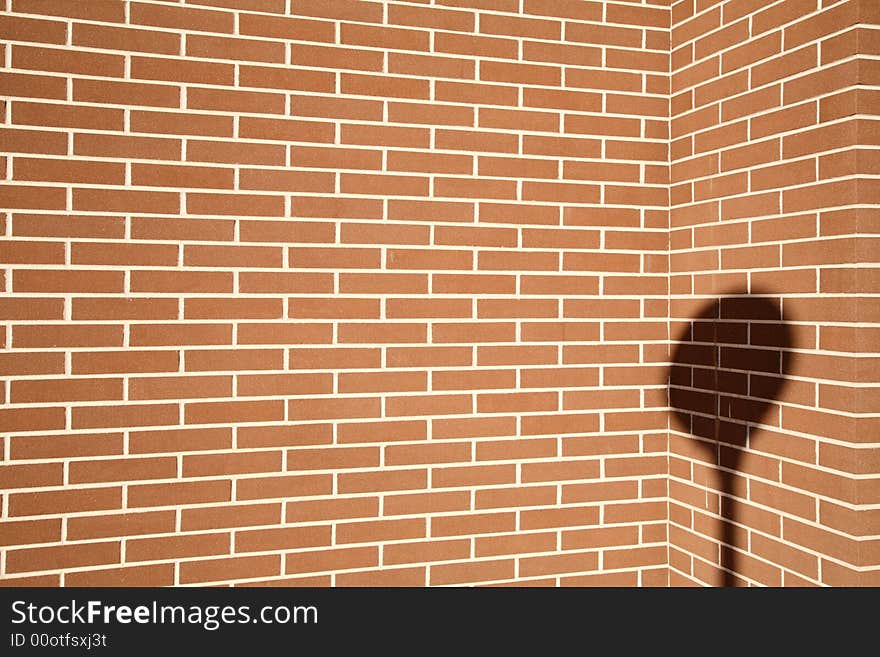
column 352, row 293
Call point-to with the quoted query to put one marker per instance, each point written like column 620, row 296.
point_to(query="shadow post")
column 728, row 367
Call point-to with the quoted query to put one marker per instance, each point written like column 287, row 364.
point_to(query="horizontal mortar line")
column 343, row 45
column 292, row 423
column 392, row 294
column 353, row 122
column 321, row 397
column 201, row 506
column 282, row 91
column 449, row 224
column 262, row 191
column 263, row 346
column 342, row 246
column 337, row 521
column 269, row 346
column 516, row 579
column 287, row 220
column 563, row 23
column 273, row 193
column 256, row 12
column 342, row 96
column 85, row 486
column 327, row 146
column 292, row 296
column 531, row 389
column 224, row 166
column 512, row 297
column 335, row 447
column 327, row 246
column 496, row 201
column 399, row 370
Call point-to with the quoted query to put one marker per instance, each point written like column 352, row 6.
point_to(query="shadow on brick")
column 729, row 367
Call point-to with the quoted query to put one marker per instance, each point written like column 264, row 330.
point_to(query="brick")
column 382, row 36
column 60, row 446
column 68, row 61
column 111, row 37
column 74, row 389
column 283, row 486
column 504, row 498
column 33, row 30
column 64, row 501
column 229, row 568
column 30, row 532
column 32, row 197
column 259, row 540
column 34, row 86
column 471, row 571
column 470, row 140
column 31, row 476
column 563, row 563
column 181, row 17
column 103, row 308
column 62, row 556
column 340, row 508
column 559, row 517
column 141, row 576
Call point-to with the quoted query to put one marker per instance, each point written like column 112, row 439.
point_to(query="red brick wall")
column 773, row 126
column 369, row 293
column 334, row 292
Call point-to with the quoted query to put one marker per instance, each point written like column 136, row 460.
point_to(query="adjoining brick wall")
column 365, row 293
column 334, row 292
column 774, row 193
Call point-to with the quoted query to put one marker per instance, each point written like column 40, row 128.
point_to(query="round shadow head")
column 728, row 367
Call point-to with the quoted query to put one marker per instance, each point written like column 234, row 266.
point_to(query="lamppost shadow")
column 729, row 366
